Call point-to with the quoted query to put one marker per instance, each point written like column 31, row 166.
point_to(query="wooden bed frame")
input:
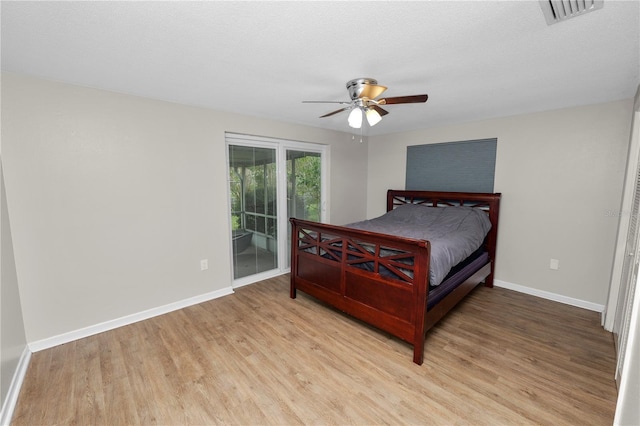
column 396, row 304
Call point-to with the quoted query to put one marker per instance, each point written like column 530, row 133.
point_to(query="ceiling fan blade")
column 403, row 100
column 371, row 91
column 334, row 112
column 380, row 111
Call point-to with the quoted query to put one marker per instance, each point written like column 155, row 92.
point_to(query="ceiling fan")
column 363, row 93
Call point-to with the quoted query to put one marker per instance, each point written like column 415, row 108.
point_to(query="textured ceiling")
column 476, row 59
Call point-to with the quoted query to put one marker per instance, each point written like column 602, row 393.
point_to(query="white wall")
column 114, row 199
column 14, row 355
column 560, row 174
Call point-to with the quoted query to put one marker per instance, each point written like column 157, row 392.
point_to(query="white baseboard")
column 129, row 319
column 9, row 403
column 550, row 296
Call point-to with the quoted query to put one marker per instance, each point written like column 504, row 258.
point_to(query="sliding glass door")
column 270, row 181
column 254, row 225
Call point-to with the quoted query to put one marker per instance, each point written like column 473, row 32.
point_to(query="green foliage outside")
column 306, row 200
column 260, row 183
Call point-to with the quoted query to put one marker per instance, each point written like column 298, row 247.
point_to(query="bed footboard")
column 380, row 279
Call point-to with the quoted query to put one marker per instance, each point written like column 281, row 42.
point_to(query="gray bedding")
column 454, row 232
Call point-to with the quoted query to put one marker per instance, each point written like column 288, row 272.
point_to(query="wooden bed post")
column 294, row 256
column 421, row 292
column 492, row 241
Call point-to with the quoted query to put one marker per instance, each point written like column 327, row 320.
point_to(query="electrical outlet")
column 554, row 264
column 204, row 264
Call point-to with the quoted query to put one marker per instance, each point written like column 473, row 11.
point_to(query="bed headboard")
column 488, row 202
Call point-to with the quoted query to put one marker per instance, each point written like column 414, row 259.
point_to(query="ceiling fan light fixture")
column 373, row 117
column 355, row 118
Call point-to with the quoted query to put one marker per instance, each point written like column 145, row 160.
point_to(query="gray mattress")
column 453, row 232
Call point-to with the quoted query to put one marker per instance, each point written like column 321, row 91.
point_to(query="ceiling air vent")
column 559, row 10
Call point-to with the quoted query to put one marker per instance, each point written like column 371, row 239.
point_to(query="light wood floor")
column 258, row 357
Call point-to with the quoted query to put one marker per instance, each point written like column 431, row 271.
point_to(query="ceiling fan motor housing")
column 356, row 86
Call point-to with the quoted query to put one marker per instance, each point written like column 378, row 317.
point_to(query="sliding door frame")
column 281, row 146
